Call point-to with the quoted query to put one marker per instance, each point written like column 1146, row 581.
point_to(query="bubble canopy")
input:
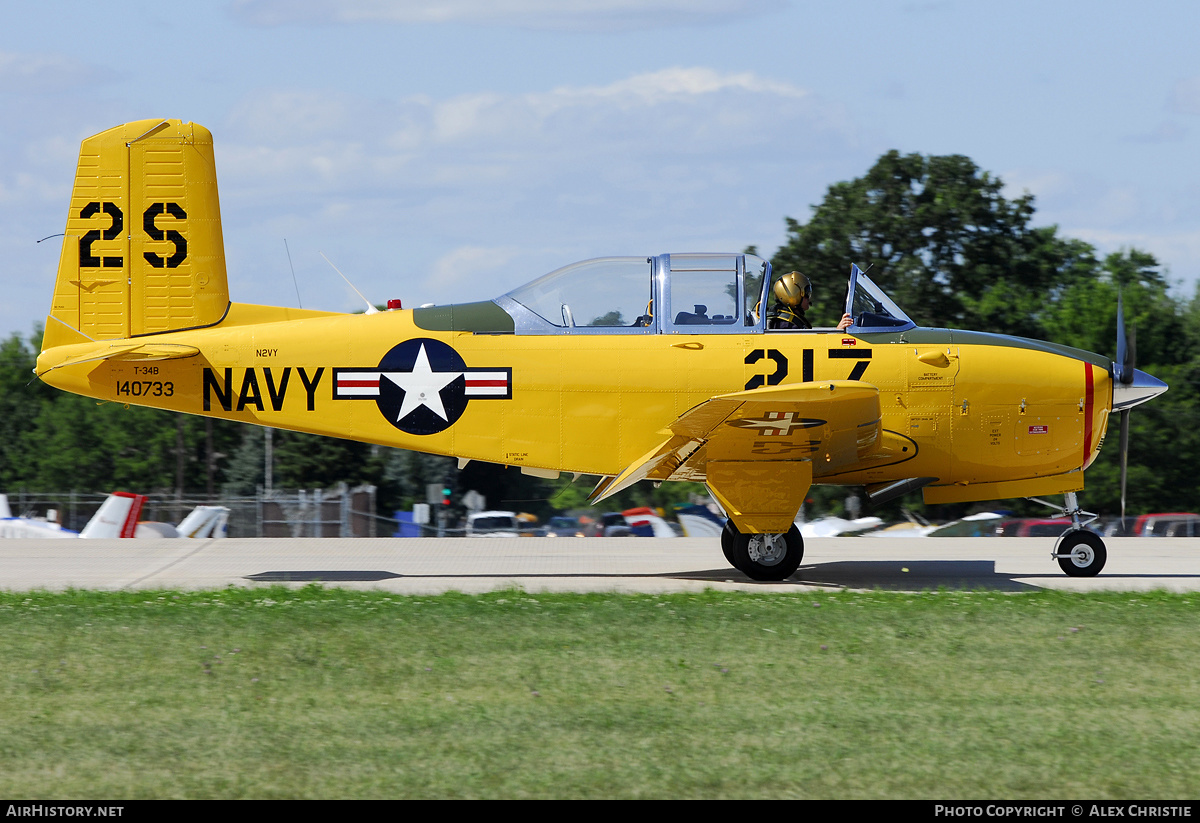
column 697, row 293
column 689, row 293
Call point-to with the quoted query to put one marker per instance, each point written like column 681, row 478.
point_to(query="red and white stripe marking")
column 358, row 384
column 487, row 384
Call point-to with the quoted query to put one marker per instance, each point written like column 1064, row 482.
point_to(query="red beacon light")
column 394, row 304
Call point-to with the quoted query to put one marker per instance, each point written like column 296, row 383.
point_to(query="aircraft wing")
column 756, row 449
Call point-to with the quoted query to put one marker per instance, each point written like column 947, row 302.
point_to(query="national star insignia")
column 422, row 386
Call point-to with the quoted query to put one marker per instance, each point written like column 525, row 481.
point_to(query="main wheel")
column 767, row 556
column 1081, row 553
column 728, row 536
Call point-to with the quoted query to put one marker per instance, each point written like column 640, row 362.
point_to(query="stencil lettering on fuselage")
column 862, row 358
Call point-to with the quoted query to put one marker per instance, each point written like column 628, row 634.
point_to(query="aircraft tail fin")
column 143, row 251
column 116, row 517
column 205, row 521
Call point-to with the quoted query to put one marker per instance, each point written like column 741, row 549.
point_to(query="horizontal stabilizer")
column 122, row 350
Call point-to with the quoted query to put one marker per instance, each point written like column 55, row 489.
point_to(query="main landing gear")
column 1079, row 551
column 763, row 556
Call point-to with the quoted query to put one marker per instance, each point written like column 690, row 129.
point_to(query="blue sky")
column 450, row 150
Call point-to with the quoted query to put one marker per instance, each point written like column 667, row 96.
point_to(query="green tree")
column 54, row 441
column 939, row 236
column 21, row 398
column 952, row 251
column 1084, row 314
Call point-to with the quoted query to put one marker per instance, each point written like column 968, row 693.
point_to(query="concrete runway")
column 431, row 566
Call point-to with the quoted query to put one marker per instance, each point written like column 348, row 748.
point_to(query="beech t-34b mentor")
column 630, row 368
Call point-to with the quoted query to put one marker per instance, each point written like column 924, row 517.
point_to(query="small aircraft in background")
column 117, row 517
column 630, row 368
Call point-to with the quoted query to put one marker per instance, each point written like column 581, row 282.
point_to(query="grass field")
column 326, row 693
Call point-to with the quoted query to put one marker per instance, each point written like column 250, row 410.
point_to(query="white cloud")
column 1173, row 250
column 1113, row 215
column 46, row 73
column 518, row 184
column 569, row 15
column 1167, row 131
column 467, row 267
column 670, row 114
column 1185, row 96
column 1080, row 199
column 658, row 86
column 23, row 187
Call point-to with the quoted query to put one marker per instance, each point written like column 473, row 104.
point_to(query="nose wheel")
column 772, row 556
column 1081, row 553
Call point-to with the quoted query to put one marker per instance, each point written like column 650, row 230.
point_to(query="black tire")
column 1081, row 553
column 728, row 536
column 768, row 556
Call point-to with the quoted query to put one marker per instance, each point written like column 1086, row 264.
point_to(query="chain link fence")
column 337, row 512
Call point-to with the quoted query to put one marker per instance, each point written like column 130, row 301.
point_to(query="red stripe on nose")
column 1088, row 400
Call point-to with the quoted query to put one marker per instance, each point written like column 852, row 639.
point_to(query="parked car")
column 1157, row 524
column 1166, row 524
column 493, row 524
column 599, row 526
column 1034, row 527
column 1189, row 527
column 562, row 525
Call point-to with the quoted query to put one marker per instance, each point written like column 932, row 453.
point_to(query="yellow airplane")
column 630, row 368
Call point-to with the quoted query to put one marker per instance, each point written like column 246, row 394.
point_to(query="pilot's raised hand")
column 846, row 322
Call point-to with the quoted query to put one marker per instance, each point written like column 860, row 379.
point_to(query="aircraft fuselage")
column 976, row 408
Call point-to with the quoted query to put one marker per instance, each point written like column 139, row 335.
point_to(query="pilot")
column 793, row 296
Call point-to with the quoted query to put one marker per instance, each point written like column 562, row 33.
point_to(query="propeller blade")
column 1129, row 364
column 1126, row 363
column 1124, row 449
column 1119, row 363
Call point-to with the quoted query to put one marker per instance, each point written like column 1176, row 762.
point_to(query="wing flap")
column 834, row 424
column 747, row 438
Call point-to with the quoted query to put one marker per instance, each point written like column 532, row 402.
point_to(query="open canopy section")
column 871, row 309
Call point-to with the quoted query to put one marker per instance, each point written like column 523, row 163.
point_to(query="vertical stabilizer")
column 205, row 521
column 117, row 516
column 143, row 251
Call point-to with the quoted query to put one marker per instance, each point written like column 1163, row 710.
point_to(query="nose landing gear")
column 1079, row 551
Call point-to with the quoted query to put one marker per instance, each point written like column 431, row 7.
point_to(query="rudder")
column 143, row 252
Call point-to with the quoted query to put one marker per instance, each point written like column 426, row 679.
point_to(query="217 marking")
column 863, row 356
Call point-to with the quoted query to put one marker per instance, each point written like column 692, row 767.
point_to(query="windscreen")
column 605, row 292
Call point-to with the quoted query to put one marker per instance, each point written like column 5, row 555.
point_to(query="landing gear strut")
column 763, row 556
column 1079, row 551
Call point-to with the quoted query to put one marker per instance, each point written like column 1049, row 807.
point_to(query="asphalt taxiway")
column 431, row 566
